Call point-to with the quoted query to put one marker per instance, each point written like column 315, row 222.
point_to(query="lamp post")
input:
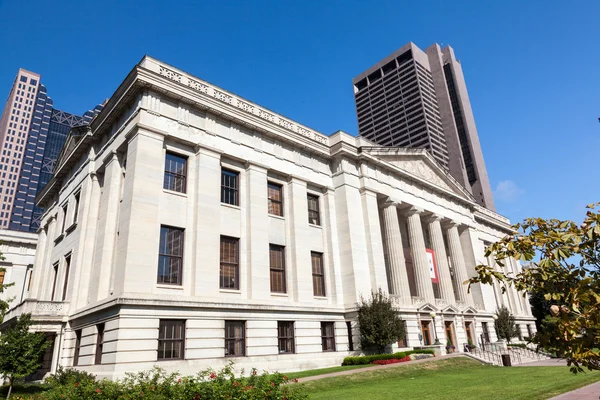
column 437, row 341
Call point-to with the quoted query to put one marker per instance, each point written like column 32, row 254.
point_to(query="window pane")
column 170, row 258
column 171, row 336
column 235, row 338
column 277, row 265
column 175, row 173
column 313, row 210
column 318, row 274
column 229, row 268
column 275, row 196
column 229, row 187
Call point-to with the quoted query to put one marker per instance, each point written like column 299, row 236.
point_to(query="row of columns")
column 397, row 272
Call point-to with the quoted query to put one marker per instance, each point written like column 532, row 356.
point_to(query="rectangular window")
column 77, row 347
column 235, row 338
column 2, row 277
column 99, row 343
column 229, row 272
column 64, row 215
column 403, row 342
column 318, row 274
column 328, row 336
column 350, row 341
column 171, row 339
column 175, row 173
column 313, row 210
column 486, row 332
column 67, row 270
column 275, row 195
column 285, row 337
column 170, row 256
column 229, row 187
column 277, row 266
column 76, row 214
column 54, row 281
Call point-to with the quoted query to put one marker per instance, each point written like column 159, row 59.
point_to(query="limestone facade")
column 184, row 208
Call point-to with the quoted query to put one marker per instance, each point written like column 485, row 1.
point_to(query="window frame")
column 288, row 339
column 317, row 211
column 328, row 336
column 99, row 344
column 234, row 339
column 177, row 323
column 65, row 210
column 179, row 257
column 227, row 190
column 175, row 176
column 318, row 276
column 271, row 201
column 235, row 265
column 77, row 198
column 77, row 347
column 66, row 278
column 54, row 281
column 275, row 269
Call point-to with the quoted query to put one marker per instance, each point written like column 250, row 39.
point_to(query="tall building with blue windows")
column 32, row 134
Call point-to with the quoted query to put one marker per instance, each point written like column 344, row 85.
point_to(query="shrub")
column 361, row 360
column 420, row 356
column 156, row 384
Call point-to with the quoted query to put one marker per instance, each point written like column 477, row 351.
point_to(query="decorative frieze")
column 240, row 104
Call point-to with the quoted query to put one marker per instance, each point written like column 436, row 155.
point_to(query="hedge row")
column 359, row 360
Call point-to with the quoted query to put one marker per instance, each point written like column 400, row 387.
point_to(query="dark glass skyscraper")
column 38, row 139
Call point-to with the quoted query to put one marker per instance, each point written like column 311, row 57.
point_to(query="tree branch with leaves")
column 564, row 267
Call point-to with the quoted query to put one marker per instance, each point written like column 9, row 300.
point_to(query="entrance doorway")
column 469, row 331
column 449, row 325
column 426, row 331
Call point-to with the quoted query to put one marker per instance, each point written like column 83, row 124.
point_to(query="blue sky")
column 532, row 69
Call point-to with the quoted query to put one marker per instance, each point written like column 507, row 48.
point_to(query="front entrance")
column 426, row 333
column 469, row 332
column 449, row 325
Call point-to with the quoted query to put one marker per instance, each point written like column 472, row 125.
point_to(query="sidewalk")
column 589, row 392
column 374, row 367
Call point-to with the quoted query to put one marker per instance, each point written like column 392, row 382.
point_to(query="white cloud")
column 508, row 191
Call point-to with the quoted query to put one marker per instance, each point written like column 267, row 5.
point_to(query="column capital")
column 432, row 217
column 449, row 224
column 412, row 210
column 389, row 203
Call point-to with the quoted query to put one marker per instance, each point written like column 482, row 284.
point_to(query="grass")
column 322, row 371
column 456, row 378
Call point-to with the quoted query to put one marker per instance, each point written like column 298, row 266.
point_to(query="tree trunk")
column 10, row 385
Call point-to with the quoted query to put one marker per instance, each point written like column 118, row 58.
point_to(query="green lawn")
column 456, row 378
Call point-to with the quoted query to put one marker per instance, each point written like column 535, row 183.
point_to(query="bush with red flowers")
column 391, row 361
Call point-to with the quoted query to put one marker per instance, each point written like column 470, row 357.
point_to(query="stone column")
column 441, row 260
column 458, row 262
column 394, row 253
column 419, row 255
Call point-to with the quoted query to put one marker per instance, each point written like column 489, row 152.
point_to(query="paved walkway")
column 553, row 362
column 589, row 392
column 374, row 367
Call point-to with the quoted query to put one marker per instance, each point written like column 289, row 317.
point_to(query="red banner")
column 433, row 272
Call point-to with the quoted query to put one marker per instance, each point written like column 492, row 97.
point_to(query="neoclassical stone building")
column 187, row 227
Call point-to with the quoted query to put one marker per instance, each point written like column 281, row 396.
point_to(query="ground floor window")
column 469, row 332
column 285, row 337
column 449, row 333
column 328, row 336
column 77, row 347
column 99, row 343
column 171, row 339
column 350, row 341
column 485, row 335
column 235, row 338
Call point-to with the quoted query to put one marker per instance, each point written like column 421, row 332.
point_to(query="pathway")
column 589, row 392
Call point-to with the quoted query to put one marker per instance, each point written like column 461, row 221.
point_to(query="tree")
column 21, row 351
column 566, row 271
column 379, row 323
column 505, row 324
column 3, row 303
